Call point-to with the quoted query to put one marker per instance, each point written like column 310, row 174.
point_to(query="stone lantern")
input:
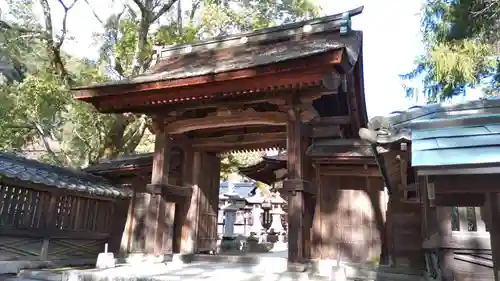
column 276, row 225
column 229, row 210
column 257, row 227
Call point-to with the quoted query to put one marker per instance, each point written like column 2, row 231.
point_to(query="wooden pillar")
column 295, row 186
column 187, row 217
column 128, row 232
column 309, row 200
column 493, row 208
column 446, row 256
column 49, row 224
column 430, row 222
column 118, row 226
column 159, row 221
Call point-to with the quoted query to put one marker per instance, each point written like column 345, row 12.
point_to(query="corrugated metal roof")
column 456, row 156
column 456, row 146
column 32, row 171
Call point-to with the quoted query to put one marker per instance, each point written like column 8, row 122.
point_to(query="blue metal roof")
column 466, row 145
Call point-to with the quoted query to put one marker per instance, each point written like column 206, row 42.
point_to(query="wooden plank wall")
column 208, row 203
column 349, row 219
column 405, row 246
column 135, row 232
column 41, row 224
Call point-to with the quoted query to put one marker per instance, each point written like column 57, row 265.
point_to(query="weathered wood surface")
column 464, row 244
column 349, row 219
column 52, row 225
column 208, row 203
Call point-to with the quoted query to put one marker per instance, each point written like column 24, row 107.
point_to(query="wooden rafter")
column 272, row 97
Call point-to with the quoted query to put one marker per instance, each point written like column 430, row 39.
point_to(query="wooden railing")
column 464, row 248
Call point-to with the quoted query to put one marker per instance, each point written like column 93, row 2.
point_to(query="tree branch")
column 485, row 9
column 140, row 6
column 135, row 138
column 194, row 8
column 64, row 22
column 94, row 12
column 53, row 46
column 46, row 143
column 165, row 8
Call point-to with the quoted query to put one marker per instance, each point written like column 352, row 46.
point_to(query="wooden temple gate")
column 297, row 86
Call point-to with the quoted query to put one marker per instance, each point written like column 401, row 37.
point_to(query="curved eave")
column 302, row 73
column 301, row 57
column 264, row 171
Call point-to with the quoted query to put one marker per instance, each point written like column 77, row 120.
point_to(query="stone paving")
column 274, row 269
column 206, row 271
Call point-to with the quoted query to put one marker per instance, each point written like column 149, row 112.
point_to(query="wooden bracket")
column 169, row 190
column 157, row 125
column 296, row 185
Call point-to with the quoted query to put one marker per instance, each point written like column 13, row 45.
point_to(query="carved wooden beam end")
column 332, row 80
column 296, row 185
column 157, row 125
column 169, row 190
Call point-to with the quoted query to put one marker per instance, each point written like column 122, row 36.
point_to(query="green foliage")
column 460, row 39
column 125, row 47
column 175, row 34
column 29, row 108
column 227, row 17
column 232, row 161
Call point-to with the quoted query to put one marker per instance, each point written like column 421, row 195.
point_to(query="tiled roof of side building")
column 399, row 125
column 34, row 172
